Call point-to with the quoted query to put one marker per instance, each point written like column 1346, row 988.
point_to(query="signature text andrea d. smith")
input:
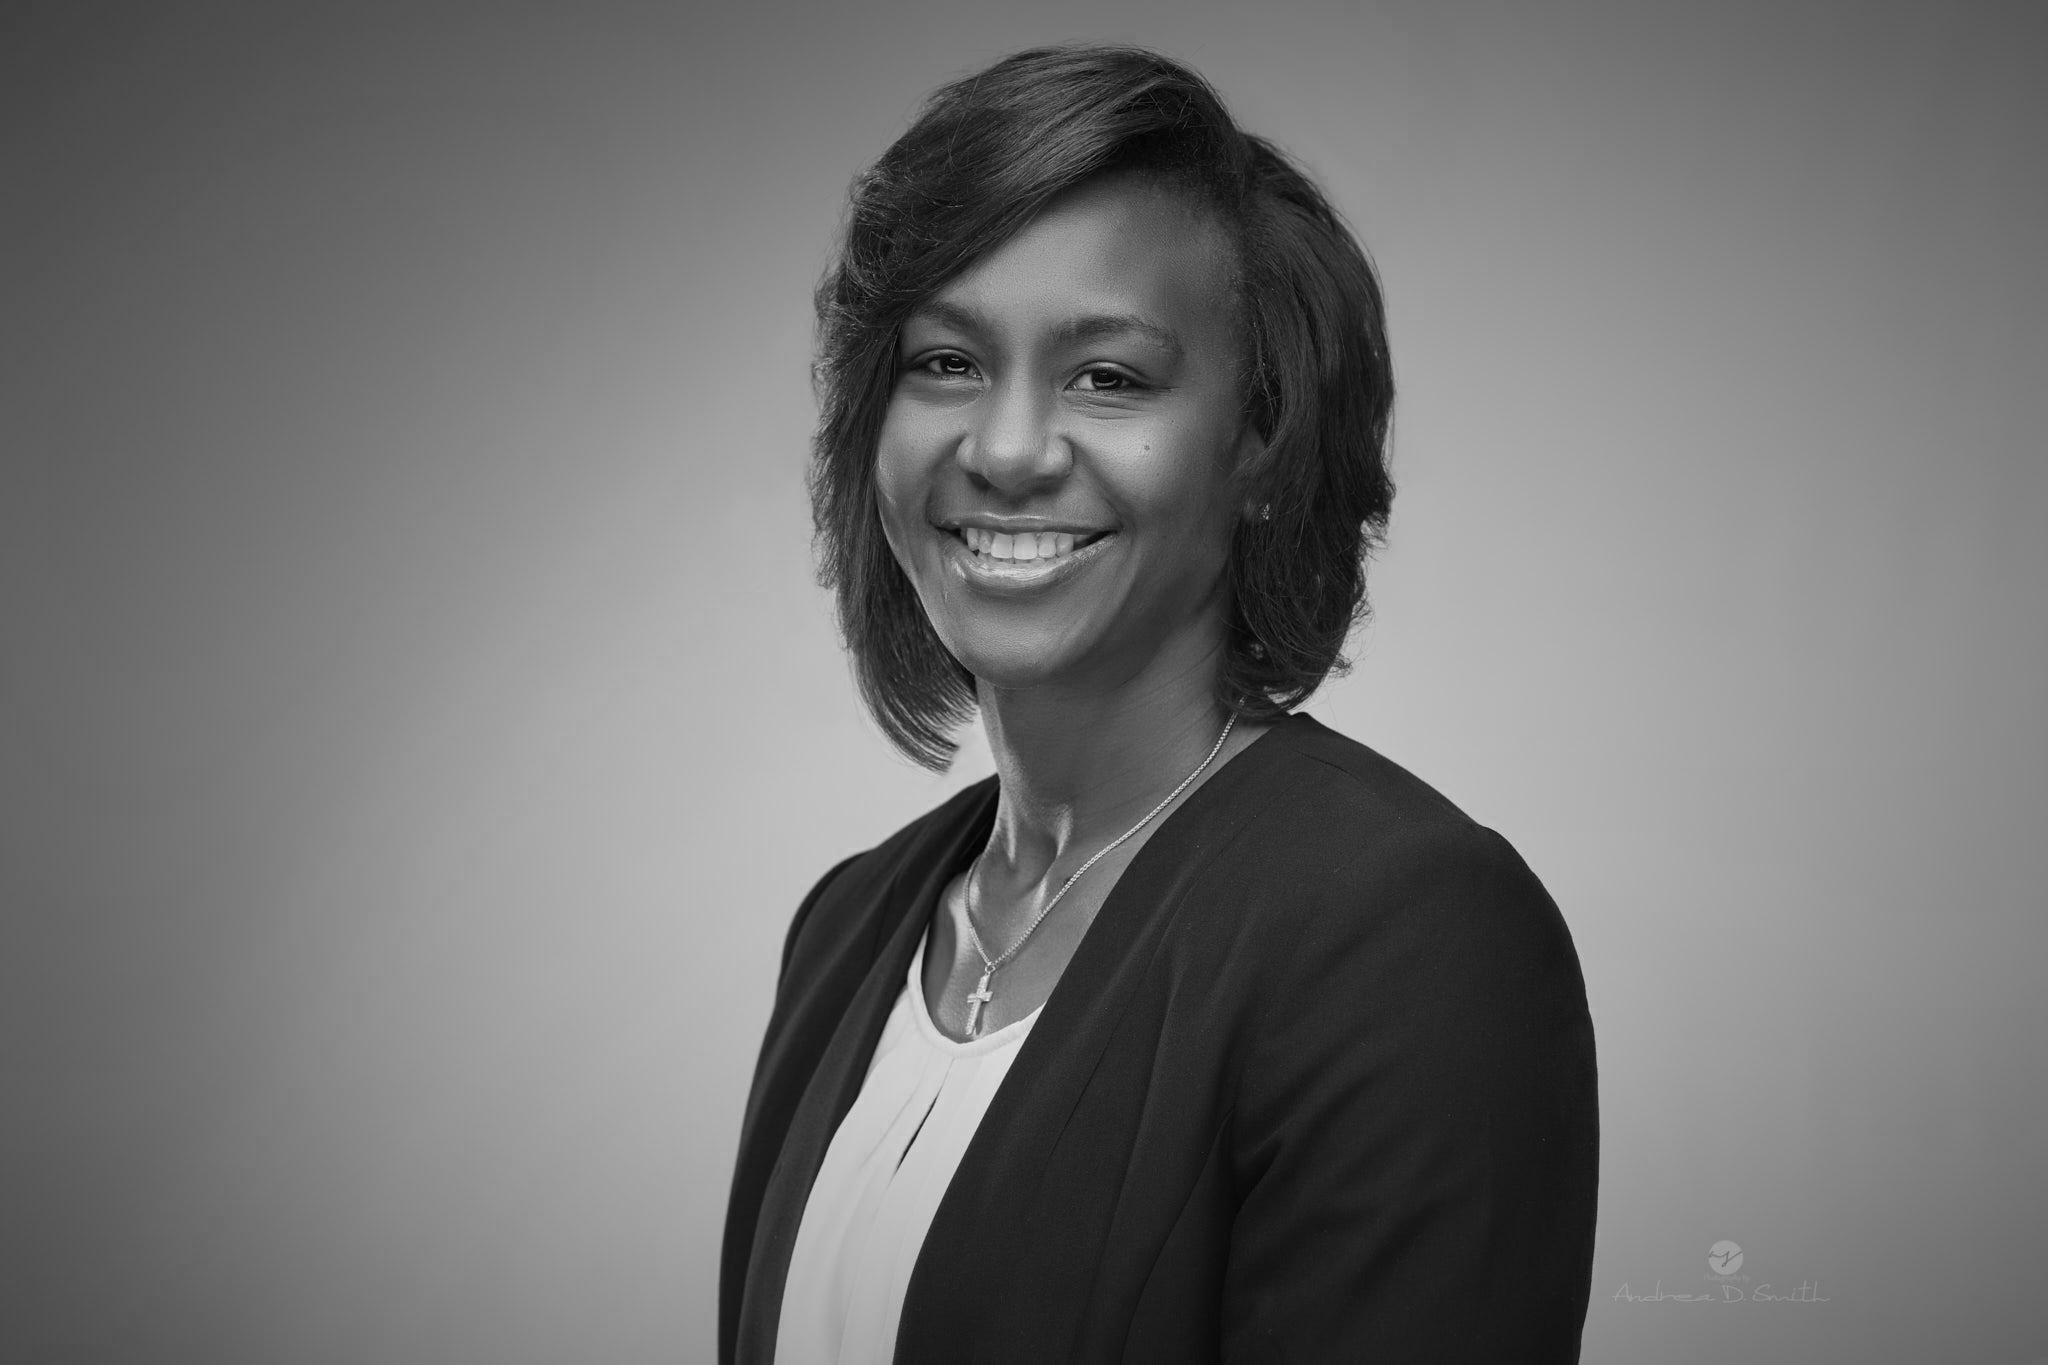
column 1807, row 1292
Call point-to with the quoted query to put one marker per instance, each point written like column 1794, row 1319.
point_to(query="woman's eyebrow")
column 951, row 315
column 1098, row 326
column 1086, row 327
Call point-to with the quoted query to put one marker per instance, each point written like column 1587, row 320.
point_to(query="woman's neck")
column 1079, row 768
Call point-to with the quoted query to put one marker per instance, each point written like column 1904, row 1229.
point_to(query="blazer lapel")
column 976, row 1279
column 906, row 911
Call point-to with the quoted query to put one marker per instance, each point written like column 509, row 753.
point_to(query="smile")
column 1022, row 561
column 1026, row 546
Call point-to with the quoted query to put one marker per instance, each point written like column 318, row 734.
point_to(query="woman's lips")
column 1025, row 546
column 1047, row 557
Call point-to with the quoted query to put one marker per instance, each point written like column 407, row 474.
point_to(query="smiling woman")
column 1200, row 1031
column 1055, row 469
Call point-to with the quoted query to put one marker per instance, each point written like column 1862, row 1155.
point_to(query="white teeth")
column 1021, row 546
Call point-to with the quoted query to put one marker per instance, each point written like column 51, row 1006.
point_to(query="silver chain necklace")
column 981, row 994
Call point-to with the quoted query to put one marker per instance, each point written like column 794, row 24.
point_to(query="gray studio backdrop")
column 417, row 722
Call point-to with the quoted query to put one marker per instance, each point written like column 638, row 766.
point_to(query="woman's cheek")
column 896, row 484
column 906, row 448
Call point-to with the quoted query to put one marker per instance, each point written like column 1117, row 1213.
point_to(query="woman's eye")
column 949, row 366
column 1104, row 380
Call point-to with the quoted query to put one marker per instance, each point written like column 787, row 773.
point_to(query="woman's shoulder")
column 1331, row 774
column 1366, row 850
column 861, row 886
column 917, row 844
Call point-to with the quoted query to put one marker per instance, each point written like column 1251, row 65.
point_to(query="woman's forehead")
column 1115, row 254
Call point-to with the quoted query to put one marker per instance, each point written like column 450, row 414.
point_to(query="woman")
column 1200, row 1031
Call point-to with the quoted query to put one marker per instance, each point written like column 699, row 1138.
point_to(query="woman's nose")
column 1011, row 444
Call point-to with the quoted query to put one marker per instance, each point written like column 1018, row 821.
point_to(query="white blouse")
column 881, row 1182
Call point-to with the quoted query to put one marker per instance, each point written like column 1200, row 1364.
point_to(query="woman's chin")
column 1012, row 673
column 1013, row 662
column 1084, row 657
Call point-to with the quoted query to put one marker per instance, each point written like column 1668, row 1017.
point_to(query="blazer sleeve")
column 772, row 1091
column 1417, row 1128
column 803, row 915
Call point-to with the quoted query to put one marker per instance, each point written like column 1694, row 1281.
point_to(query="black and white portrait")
column 1128, row 682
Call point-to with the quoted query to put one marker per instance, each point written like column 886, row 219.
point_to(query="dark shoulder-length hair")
column 985, row 154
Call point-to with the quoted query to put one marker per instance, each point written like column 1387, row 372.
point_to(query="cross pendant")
column 981, row 996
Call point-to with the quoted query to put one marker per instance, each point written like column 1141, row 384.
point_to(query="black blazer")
column 1317, row 1085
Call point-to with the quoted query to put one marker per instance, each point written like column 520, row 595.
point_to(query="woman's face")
column 1054, row 465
